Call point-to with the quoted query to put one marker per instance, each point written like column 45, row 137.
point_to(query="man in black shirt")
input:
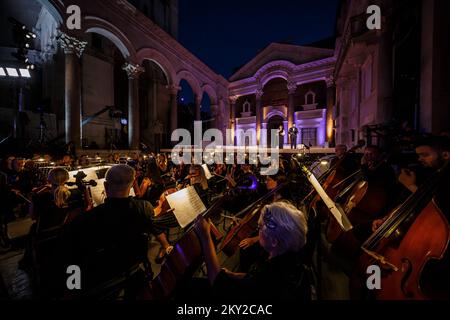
column 434, row 154
column 111, row 240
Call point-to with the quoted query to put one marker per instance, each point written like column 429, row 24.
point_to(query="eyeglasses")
column 268, row 222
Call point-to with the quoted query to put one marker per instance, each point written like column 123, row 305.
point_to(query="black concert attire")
column 284, row 277
column 110, row 241
column 153, row 193
column 280, row 138
column 42, row 242
column 48, row 215
column 293, row 131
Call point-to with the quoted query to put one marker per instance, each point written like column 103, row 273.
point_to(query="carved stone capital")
column 71, row 45
column 330, row 81
column 173, row 90
column 292, row 87
column 214, row 109
column 233, row 99
column 259, row 93
column 133, row 70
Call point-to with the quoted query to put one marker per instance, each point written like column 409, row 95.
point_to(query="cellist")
column 433, row 153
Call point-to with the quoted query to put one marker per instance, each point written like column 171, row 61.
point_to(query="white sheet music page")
column 187, row 205
column 208, row 174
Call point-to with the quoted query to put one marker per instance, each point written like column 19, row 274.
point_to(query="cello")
column 364, row 201
column 414, row 234
column 333, row 180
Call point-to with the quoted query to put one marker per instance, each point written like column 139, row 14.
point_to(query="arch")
column 111, row 32
column 55, row 8
column 274, row 75
column 191, row 80
column 158, row 58
column 274, row 113
column 312, row 94
column 208, row 89
column 274, row 69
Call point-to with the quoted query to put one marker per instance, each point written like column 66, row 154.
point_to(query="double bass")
column 414, row 234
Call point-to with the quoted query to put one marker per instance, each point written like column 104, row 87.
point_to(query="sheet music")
column 91, row 173
column 98, row 192
column 187, row 205
column 208, row 174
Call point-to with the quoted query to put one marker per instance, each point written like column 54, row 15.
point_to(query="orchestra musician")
column 250, row 251
column 434, row 154
column 51, row 204
column 283, row 276
column 52, row 207
column 109, row 240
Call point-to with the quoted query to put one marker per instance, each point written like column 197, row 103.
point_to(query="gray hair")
column 285, row 223
column 120, row 177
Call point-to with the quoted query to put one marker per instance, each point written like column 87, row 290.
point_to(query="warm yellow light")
column 329, row 128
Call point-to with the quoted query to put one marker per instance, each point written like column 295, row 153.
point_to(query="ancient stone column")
column 215, row 115
column 198, row 101
column 331, row 101
column 133, row 71
column 173, row 91
column 258, row 111
column 233, row 100
column 292, row 87
column 73, row 49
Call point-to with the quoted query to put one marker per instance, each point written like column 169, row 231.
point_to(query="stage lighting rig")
column 22, row 37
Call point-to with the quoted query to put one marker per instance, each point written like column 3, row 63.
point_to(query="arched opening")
column 104, row 91
column 275, row 93
column 205, row 112
column 154, row 101
column 186, row 107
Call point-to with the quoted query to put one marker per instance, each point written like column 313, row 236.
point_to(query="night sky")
column 227, row 34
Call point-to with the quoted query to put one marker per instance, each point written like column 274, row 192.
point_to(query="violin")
column 415, row 233
column 163, row 204
column 247, row 225
column 182, row 262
